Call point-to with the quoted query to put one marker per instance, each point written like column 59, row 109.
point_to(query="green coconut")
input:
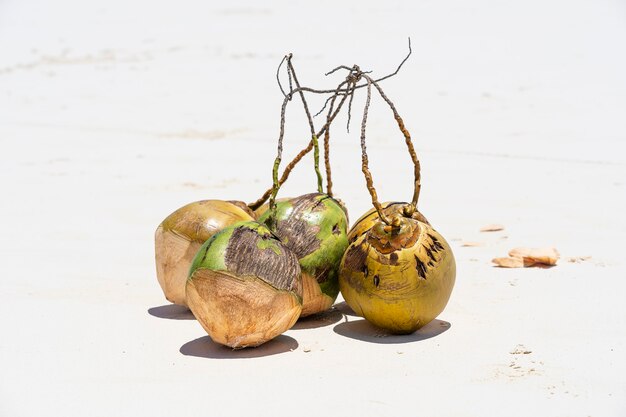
column 245, row 286
column 313, row 226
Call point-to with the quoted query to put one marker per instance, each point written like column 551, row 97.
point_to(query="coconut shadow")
column 172, row 312
column 345, row 309
column 323, row 319
column 367, row 332
column 204, row 347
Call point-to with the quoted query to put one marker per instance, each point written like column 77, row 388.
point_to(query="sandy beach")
column 114, row 114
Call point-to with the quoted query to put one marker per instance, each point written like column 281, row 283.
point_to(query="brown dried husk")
column 240, row 311
column 314, row 300
column 366, row 221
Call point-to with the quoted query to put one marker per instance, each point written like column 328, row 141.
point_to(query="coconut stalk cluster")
column 248, row 272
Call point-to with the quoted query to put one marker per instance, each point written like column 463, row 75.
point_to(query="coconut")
column 245, row 286
column 399, row 278
column 314, row 227
column 180, row 235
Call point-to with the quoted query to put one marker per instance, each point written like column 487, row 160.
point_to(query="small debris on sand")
column 492, row 228
column 578, row 259
column 520, row 350
column 472, row 244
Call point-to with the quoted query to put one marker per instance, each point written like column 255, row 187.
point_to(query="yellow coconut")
column 399, row 278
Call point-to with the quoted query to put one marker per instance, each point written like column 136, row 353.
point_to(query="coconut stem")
column 316, row 149
column 333, row 98
column 255, row 205
column 364, row 159
column 275, row 182
column 329, row 178
column 409, row 144
column 316, row 161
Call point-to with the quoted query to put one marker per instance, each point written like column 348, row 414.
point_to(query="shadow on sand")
column 325, row 318
column 366, row 332
column 172, row 312
column 204, row 347
column 344, row 309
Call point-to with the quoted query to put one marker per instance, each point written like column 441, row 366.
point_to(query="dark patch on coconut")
column 420, row 267
column 244, row 256
column 322, row 275
column 376, row 280
column 436, row 242
column 387, row 259
column 355, row 259
column 430, row 253
column 353, row 239
column 301, row 235
column 318, row 205
column 393, row 258
column 336, row 230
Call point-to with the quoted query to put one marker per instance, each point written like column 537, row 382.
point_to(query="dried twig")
column 351, row 85
column 329, row 180
column 364, row 158
column 258, row 203
column 412, row 207
column 409, row 143
column 278, row 76
column 316, row 154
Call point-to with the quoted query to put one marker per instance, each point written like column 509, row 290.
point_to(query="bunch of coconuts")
column 247, row 282
column 248, row 272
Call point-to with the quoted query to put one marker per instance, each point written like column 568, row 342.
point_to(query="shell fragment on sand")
column 524, row 257
column 546, row 256
column 509, row 262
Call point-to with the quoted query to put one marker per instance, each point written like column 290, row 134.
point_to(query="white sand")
column 113, row 114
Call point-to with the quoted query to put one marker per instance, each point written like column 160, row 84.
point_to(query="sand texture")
column 113, row 114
